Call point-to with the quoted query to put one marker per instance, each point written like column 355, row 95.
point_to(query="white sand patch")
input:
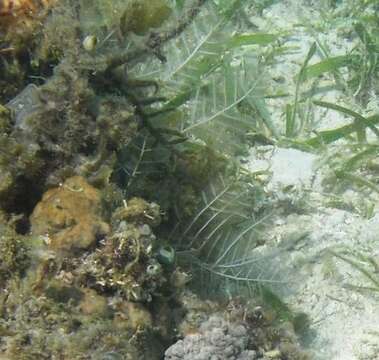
column 287, row 167
column 345, row 320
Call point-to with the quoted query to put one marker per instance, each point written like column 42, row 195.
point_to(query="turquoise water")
column 188, row 179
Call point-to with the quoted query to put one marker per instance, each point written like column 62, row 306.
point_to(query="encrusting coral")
column 69, row 217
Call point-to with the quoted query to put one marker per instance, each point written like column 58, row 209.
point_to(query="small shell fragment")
column 90, row 42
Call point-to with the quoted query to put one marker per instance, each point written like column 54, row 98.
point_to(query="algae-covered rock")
column 20, row 19
column 139, row 211
column 62, row 293
column 135, row 315
column 58, row 130
column 142, row 15
column 124, row 263
column 14, row 251
column 69, row 217
column 102, row 302
column 93, row 304
column 20, row 28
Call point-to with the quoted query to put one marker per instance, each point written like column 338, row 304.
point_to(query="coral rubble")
column 238, row 331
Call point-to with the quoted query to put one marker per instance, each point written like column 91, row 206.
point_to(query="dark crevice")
column 23, row 198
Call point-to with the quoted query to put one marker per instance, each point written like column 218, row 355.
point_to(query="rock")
column 137, row 210
column 93, row 303
column 135, row 315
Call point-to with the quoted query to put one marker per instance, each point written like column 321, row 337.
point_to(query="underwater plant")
column 365, row 264
column 215, row 98
column 216, row 80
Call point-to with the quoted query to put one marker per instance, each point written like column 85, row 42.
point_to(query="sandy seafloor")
column 344, row 321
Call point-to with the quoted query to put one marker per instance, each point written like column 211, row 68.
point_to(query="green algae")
column 14, row 250
column 140, row 16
